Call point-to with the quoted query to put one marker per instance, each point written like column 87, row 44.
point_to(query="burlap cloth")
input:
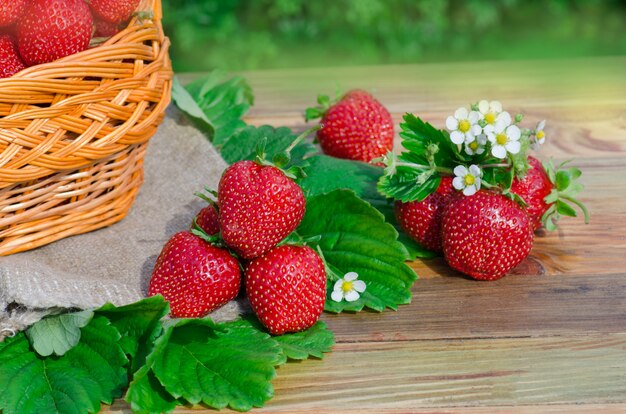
column 114, row 264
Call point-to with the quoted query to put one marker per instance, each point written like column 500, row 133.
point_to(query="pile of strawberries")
column 258, row 205
column 483, row 231
column 33, row 32
column 474, row 193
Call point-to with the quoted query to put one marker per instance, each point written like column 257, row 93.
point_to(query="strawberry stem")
column 300, row 137
column 504, row 165
column 443, row 170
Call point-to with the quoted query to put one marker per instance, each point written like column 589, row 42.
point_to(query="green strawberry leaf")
column 220, row 365
column 138, row 323
column 32, row 384
column 91, row 372
column 58, row 334
column 189, row 106
column 325, row 174
column 423, row 139
column 499, row 177
column 313, row 342
column 217, row 102
column 356, row 238
column 409, row 184
column 146, row 395
column 243, row 144
column 100, row 354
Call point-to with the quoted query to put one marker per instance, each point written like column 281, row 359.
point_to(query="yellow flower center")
column 347, row 286
column 473, row 145
column 469, row 179
column 490, row 117
column 464, row 125
column 501, row 138
column 540, row 134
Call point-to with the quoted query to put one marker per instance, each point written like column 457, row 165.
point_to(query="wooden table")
column 549, row 338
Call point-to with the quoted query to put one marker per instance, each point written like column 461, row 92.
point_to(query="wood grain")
column 551, row 337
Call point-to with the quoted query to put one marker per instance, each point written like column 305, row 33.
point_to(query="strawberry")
column 208, row 220
column 548, row 193
column 259, row 206
column 11, row 10
column 52, row 29
column 421, row 220
column 358, row 127
column 485, row 235
column 10, row 61
column 533, row 188
column 287, row 288
column 104, row 28
column 194, row 276
column 114, row 11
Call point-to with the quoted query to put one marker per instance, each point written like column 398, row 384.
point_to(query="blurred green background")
column 260, row 34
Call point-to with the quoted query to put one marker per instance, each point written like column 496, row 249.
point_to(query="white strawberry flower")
column 466, row 179
column 463, row 126
column 348, row 288
column 477, row 146
column 491, row 112
column 540, row 135
column 504, row 137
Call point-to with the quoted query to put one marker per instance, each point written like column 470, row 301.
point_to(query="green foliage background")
column 255, row 34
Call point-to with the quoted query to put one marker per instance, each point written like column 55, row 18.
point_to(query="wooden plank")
column 459, row 373
column 560, row 85
column 515, row 306
column 120, row 407
column 402, row 376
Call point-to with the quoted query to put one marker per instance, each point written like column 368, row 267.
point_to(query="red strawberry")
column 11, row 10
column 10, row 61
column 114, row 11
column 104, row 28
column 358, row 127
column 485, row 235
column 259, row 206
column 421, row 220
column 208, row 220
column 533, row 188
column 194, row 276
column 287, row 288
column 52, row 29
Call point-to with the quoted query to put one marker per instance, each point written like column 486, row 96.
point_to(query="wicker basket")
column 73, row 134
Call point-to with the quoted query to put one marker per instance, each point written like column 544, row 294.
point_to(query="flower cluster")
column 487, row 127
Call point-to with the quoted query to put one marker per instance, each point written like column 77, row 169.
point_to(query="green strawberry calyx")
column 565, row 189
column 215, row 239
column 324, row 102
column 282, row 159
